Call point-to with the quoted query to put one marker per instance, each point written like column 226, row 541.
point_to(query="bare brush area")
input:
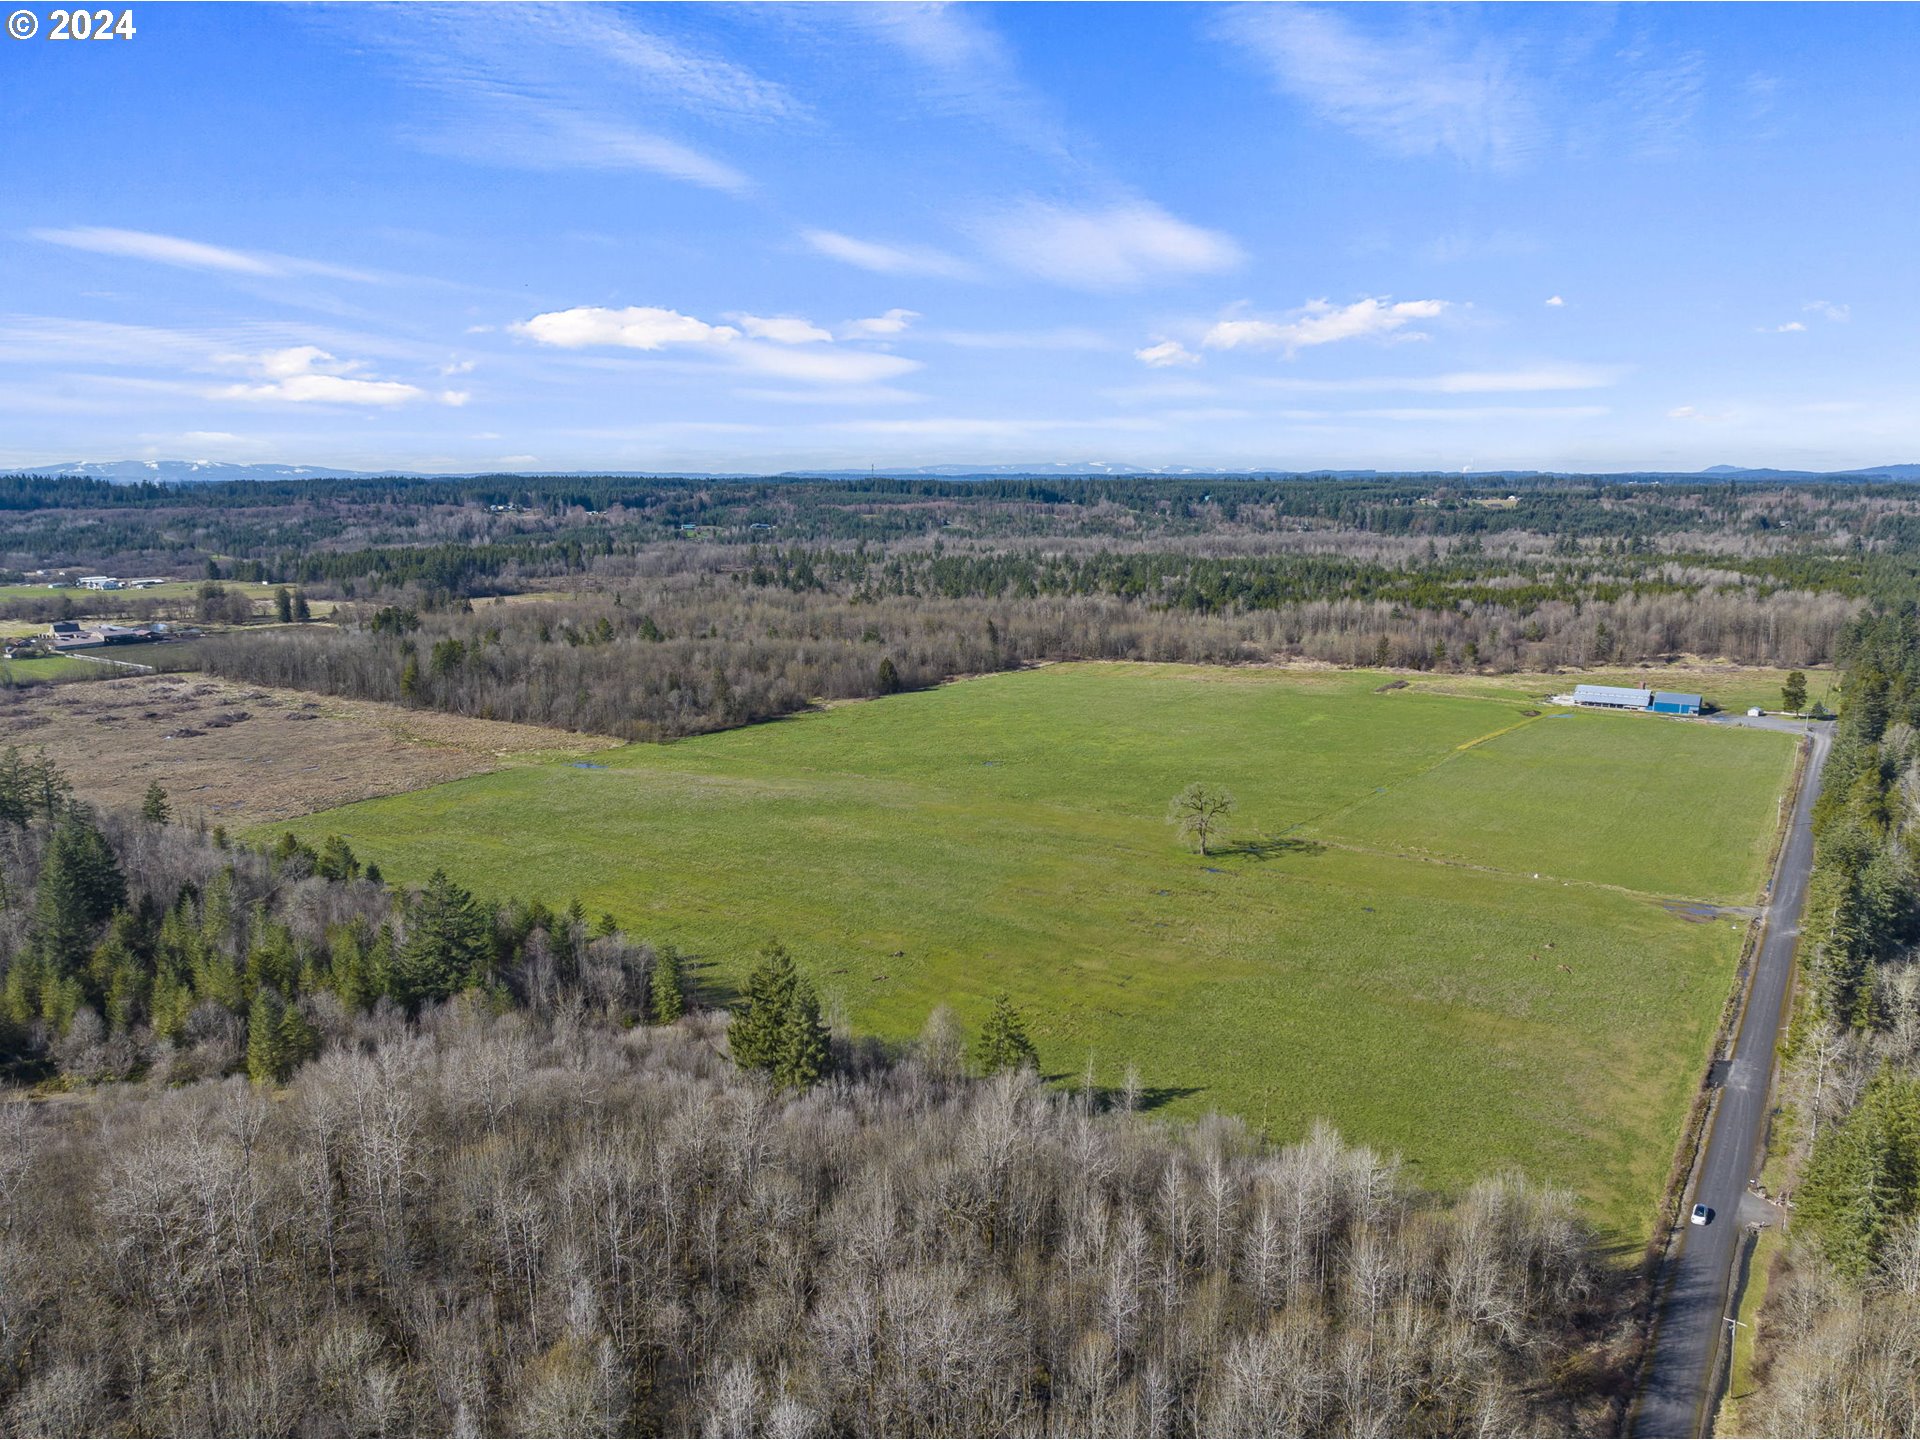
column 251, row 753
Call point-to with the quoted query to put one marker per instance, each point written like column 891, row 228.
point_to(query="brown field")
column 247, row 753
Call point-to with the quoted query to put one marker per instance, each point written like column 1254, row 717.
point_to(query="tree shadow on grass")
column 1113, row 1097
column 1269, row 846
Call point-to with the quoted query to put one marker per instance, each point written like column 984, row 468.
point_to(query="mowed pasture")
column 1442, row 924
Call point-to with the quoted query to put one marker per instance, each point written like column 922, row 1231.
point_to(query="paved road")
column 1686, row 1342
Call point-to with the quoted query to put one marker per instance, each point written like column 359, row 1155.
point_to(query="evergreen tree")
column 804, row 1050
column 80, row 886
column 266, row 1055
column 336, row 860
column 283, row 605
column 1003, row 1043
column 759, row 1026
column 449, row 943
column 665, row 988
column 154, row 808
column 1793, row 694
column 887, row 682
column 302, row 612
column 1864, row 1178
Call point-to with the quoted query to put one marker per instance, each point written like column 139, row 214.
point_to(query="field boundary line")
column 1496, row 734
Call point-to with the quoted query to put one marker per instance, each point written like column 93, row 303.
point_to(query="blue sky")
column 759, row 238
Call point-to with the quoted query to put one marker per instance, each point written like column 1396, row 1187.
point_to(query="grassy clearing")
column 1007, row 834
column 1570, row 795
column 49, row 668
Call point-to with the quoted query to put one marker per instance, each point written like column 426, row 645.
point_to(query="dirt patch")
column 1390, row 685
column 243, row 754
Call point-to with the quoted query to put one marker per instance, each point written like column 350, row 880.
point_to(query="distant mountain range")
column 179, row 472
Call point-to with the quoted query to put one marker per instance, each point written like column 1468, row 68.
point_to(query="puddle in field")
column 1698, row 913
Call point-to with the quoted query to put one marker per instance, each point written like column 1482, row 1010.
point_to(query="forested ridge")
column 319, row 1157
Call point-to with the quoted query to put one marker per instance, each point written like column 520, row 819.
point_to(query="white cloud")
column 638, row 327
column 189, row 254
column 455, row 398
column 883, row 259
column 306, row 374
column 1555, row 301
column 1166, row 353
column 1827, row 310
column 782, row 329
column 1433, row 87
column 1792, row 327
column 1320, row 322
column 1683, row 412
column 876, row 327
column 1116, row 248
column 647, row 327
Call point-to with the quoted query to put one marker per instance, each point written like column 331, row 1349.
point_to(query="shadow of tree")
column 1268, row 846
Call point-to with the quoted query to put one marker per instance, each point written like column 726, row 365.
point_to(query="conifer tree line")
column 133, row 947
column 1841, row 1326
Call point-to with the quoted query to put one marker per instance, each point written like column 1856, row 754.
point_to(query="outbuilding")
column 1612, row 697
column 1674, row 702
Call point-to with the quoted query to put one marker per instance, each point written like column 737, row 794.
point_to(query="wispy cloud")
column 1320, row 322
column 1429, row 87
column 879, row 327
column 886, row 259
column 190, row 254
column 782, row 329
column 964, row 66
column 1554, row 302
column 1063, row 337
column 554, row 87
column 1425, row 414
column 1827, row 310
column 1459, row 382
column 1117, row 247
column 1166, row 354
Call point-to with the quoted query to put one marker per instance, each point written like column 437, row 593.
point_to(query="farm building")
column 99, row 582
column 1612, row 697
column 1674, row 702
column 1627, row 697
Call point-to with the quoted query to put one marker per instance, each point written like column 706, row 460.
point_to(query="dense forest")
column 1841, row 1326
column 358, row 1161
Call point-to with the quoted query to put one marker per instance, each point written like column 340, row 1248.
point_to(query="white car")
column 1701, row 1215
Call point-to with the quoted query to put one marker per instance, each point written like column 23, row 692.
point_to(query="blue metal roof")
column 1676, row 697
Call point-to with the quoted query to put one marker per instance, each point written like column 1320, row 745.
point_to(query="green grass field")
column 49, row 668
column 1374, row 948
